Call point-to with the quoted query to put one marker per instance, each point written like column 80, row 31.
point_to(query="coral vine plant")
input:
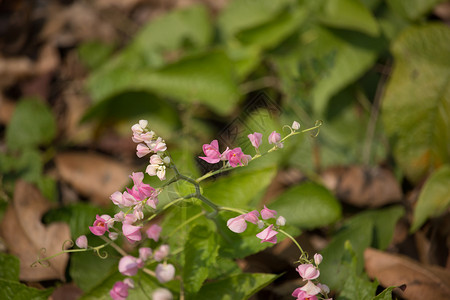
column 139, row 205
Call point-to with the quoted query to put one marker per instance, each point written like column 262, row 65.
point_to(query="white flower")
column 296, row 125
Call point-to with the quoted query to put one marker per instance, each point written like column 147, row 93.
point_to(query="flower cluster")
column 239, row 224
column 135, row 200
column 310, row 272
column 149, row 143
column 234, row 156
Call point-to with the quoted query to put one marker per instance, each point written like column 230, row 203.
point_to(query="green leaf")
column 240, row 15
column 349, row 14
column 332, row 272
column 274, row 31
column 88, row 270
column 417, row 100
column 9, row 267
column 94, row 53
column 308, row 206
column 413, row 9
column 386, row 294
column 205, row 78
column 357, row 285
column 384, row 221
column 200, row 252
column 13, row 290
column 349, row 55
column 434, row 199
column 240, row 286
column 237, row 190
column 32, row 124
column 78, row 216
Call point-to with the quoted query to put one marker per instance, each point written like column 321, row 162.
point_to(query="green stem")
column 293, row 240
column 239, row 211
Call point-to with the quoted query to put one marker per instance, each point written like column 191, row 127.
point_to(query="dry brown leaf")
column 363, row 187
column 93, row 175
column 25, row 235
column 422, row 282
column 6, row 109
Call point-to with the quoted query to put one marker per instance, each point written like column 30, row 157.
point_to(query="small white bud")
column 82, row 242
column 113, row 235
column 296, row 125
column 281, row 221
column 167, row 160
column 260, row 224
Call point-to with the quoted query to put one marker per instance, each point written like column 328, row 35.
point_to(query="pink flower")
column 237, row 157
column 302, row 295
column 308, row 271
column 120, row 216
column 142, row 150
column 274, row 137
column 131, row 232
column 212, row 152
column 162, row 252
column 82, row 242
column 165, row 272
column 116, row 198
column 99, row 227
column 324, row 288
column 310, row 288
column 155, row 159
column 268, row 213
column 128, row 265
column 153, row 232
column 119, row 291
column 145, row 253
column 268, row 235
column 237, row 224
column 318, row 259
column 129, row 219
column 158, row 146
column 128, row 200
column 252, row 217
column 255, row 139
column 162, row 294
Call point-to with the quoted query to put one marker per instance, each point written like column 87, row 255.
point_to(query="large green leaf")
column 332, row 272
column 434, row 199
column 88, row 270
column 203, row 78
column 349, row 14
column 242, row 15
column 10, row 287
column 384, row 221
column 79, row 216
column 240, row 286
column 416, row 104
column 308, row 206
column 413, row 9
column 368, row 229
column 32, row 124
column 14, row 290
column 9, row 267
column 200, row 252
column 239, row 189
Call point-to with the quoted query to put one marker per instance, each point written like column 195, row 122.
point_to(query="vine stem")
column 317, row 125
column 293, row 240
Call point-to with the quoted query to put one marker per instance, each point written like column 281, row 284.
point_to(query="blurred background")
column 76, row 74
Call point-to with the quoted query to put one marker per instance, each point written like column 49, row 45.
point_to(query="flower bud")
column 162, row 252
column 165, row 272
column 113, row 235
column 281, row 221
column 82, row 242
column 317, row 259
column 145, row 253
column 260, row 224
column 162, row 294
column 129, row 282
column 296, row 125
